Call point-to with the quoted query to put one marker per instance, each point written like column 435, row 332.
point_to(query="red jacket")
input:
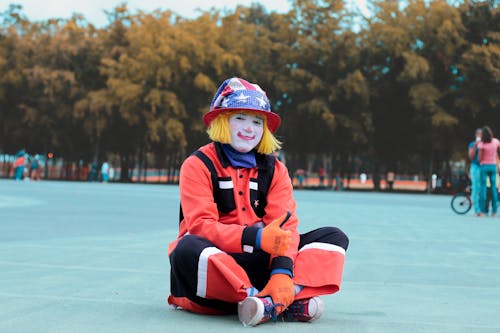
column 202, row 218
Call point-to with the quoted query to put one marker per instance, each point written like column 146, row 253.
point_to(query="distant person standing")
column 105, row 172
column 111, row 173
column 363, row 177
column 390, row 180
column 475, row 171
column 321, row 174
column 19, row 163
column 35, row 168
column 488, row 154
column 339, row 182
column 92, row 176
column 300, row 174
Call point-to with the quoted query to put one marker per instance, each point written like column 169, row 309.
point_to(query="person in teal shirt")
column 475, row 171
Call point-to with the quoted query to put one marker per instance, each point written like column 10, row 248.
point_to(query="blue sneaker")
column 305, row 310
column 256, row 310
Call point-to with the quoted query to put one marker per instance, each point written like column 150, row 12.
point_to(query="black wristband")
column 248, row 239
column 282, row 262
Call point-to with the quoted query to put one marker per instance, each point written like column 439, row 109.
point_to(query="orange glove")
column 280, row 288
column 275, row 240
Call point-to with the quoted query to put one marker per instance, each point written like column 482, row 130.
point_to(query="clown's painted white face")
column 246, row 131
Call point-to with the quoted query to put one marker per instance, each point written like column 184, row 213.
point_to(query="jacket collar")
column 221, row 155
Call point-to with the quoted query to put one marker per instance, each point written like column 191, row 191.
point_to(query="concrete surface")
column 91, row 257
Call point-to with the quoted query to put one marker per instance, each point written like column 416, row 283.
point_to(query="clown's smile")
column 246, row 131
column 246, row 137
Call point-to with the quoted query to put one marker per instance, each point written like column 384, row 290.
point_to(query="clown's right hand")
column 275, row 240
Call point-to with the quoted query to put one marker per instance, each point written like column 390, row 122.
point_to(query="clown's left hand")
column 280, row 288
column 275, row 240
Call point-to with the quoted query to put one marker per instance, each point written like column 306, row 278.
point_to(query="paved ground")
column 81, row 257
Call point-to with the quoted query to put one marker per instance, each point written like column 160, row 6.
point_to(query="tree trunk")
column 429, row 176
column 125, row 167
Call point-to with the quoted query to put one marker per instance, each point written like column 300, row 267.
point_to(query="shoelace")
column 271, row 309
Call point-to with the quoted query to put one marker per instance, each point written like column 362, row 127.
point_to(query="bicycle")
column 461, row 203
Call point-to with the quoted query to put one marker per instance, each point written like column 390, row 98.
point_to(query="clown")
column 238, row 247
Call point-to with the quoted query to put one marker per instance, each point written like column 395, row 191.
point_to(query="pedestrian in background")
column 488, row 155
column 19, row 164
column 35, row 168
column 321, row 174
column 105, row 172
column 475, row 171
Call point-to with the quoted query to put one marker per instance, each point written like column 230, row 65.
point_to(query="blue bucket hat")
column 237, row 94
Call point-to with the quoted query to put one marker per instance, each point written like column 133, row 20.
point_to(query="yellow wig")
column 219, row 131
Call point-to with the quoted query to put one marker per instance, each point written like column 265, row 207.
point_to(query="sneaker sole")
column 320, row 308
column 250, row 311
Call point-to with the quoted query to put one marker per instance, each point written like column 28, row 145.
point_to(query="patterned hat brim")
column 273, row 120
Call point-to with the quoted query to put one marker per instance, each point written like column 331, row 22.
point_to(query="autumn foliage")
column 403, row 88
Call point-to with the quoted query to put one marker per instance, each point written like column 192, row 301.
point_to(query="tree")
column 12, row 62
column 328, row 91
column 478, row 69
column 411, row 51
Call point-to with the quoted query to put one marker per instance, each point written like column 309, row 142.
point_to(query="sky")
column 93, row 10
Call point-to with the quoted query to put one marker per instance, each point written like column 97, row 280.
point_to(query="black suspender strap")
column 210, row 166
column 265, row 166
column 213, row 175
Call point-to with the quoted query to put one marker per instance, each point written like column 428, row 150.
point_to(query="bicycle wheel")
column 461, row 203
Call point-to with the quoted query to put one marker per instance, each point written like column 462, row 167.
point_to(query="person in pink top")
column 488, row 155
